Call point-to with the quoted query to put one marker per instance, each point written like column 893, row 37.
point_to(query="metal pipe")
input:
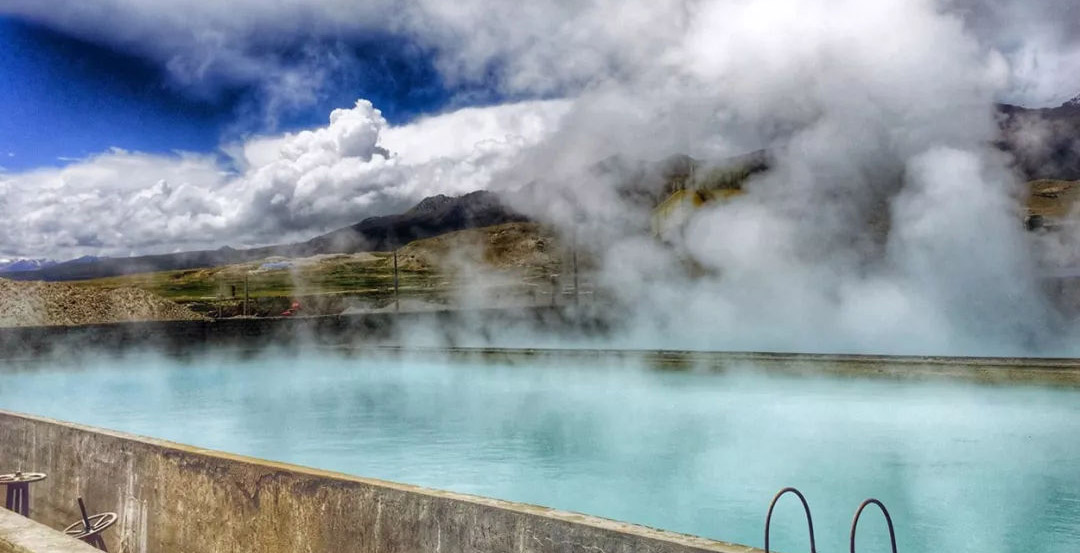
column 86, row 519
column 888, row 520
column 806, row 507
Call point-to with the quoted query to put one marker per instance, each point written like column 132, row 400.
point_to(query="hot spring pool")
column 962, row 467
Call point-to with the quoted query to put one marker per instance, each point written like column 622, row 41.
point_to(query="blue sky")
column 66, row 98
column 69, row 98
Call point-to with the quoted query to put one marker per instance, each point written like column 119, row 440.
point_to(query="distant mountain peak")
column 1074, row 103
column 439, row 202
column 431, row 203
column 433, row 216
column 25, row 265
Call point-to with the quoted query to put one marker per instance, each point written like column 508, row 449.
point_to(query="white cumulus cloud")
column 287, row 187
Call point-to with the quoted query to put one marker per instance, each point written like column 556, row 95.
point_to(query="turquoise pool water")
column 962, row 467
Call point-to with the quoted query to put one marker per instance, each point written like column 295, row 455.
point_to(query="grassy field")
column 310, row 276
column 504, row 261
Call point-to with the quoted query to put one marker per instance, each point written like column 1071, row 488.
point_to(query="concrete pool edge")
column 1051, row 371
column 164, row 490
column 19, row 534
column 986, row 370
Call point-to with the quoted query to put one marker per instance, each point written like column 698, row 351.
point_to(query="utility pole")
column 397, row 302
column 245, row 294
column 573, row 255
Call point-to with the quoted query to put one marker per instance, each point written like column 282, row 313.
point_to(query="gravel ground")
column 54, row 303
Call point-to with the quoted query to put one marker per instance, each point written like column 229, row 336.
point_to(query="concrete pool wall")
column 257, row 333
column 172, row 497
column 371, row 333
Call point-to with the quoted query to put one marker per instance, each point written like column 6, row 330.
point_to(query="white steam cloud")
column 1041, row 41
column 887, row 223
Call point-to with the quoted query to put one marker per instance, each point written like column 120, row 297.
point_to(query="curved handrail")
column 858, row 513
column 806, row 507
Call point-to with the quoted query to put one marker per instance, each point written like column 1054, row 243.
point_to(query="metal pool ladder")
column 810, row 520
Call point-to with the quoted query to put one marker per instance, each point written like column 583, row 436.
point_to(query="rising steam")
column 887, row 222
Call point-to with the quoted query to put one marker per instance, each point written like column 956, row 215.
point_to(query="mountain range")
column 1044, row 143
column 431, row 217
column 22, row 265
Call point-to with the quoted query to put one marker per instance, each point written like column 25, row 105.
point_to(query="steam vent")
column 482, row 276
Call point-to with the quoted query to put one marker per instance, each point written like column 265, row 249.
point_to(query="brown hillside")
column 1052, row 199
column 506, row 247
column 41, row 303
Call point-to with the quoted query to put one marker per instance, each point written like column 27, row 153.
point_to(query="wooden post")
column 245, row 294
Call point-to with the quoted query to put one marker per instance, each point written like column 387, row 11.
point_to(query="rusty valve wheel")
column 98, row 523
column 18, row 490
column 89, row 529
column 21, row 477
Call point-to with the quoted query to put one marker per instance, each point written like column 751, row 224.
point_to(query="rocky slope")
column 41, row 303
